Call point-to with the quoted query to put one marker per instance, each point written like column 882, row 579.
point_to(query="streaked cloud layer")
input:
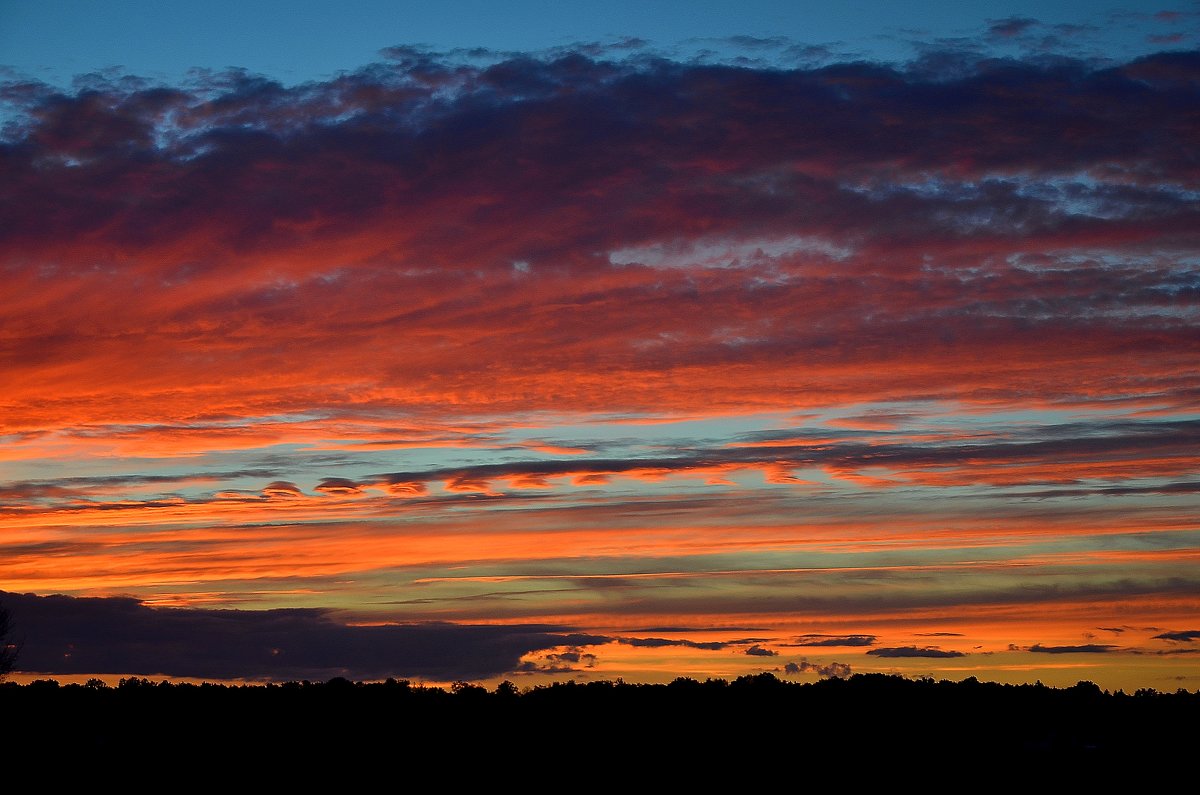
column 895, row 365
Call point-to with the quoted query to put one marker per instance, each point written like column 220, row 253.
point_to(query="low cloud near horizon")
column 120, row 635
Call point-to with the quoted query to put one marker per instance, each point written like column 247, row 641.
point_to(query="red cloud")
column 355, row 244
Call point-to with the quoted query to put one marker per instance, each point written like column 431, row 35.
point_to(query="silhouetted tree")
column 8, row 647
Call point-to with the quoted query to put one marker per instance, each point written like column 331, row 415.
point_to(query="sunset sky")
column 545, row 340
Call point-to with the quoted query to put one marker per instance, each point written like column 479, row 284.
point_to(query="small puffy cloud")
column 1184, row 636
column 571, row 659
column 833, row 669
column 282, row 489
column 342, row 487
column 572, row 656
column 759, row 651
column 407, row 489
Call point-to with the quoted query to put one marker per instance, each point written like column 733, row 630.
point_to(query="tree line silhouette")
column 716, row 719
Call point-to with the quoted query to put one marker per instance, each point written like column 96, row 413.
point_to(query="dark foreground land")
column 681, row 731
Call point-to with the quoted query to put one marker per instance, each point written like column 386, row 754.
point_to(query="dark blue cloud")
column 1087, row 648
column 118, row 635
column 337, row 150
column 656, row 643
column 832, row 640
column 121, row 635
column 914, row 651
